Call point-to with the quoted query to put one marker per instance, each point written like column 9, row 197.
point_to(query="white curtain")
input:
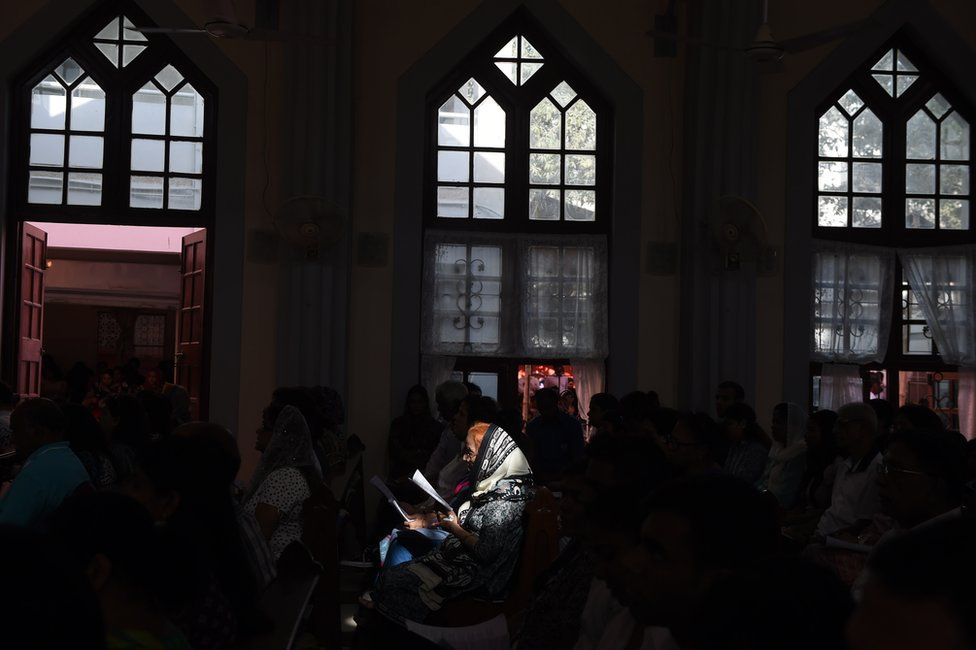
column 966, row 402
column 564, row 297
column 435, row 369
column 590, row 378
column 840, row 384
column 851, row 302
column 942, row 281
column 511, row 295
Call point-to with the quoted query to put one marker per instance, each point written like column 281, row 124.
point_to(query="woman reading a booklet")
column 484, row 537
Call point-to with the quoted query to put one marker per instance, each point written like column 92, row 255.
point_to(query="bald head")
column 35, row 423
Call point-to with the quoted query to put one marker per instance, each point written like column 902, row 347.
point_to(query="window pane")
column 453, row 166
column 453, row 123
column 581, row 127
column 580, row 170
column 146, row 192
column 169, row 77
column 111, row 52
column 452, row 202
column 186, row 113
column 954, row 138
column 904, row 65
column 867, row 177
column 184, row 193
column 544, row 168
column 85, row 151
column 920, row 213
column 45, row 187
column 527, row 70
column 563, row 93
column 186, row 157
column 545, row 124
column 920, row 137
column 850, row 102
column 489, row 203
column 47, row 149
column 954, row 179
column 833, row 134
column 489, row 124
column 867, row 212
column 868, row 134
column 84, row 189
column 69, row 71
column 110, row 32
column 149, row 111
column 954, row 214
column 487, row 382
column 920, row 179
column 48, row 104
column 886, row 81
column 887, row 62
column 580, row 205
column 148, row 155
column 509, row 50
column 471, row 91
column 88, row 107
column 938, row 105
column 130, row 52
column 489, row 167
column 832, row 211
column 914, row 340
column 544, row 205
column 902, row 83
column 832, row 177
column 509, row 69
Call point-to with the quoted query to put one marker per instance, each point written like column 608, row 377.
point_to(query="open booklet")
column 421, row 481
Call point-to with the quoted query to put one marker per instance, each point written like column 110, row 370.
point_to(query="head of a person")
column 154, row 380
column 920, row 418
column 603, row 408
column 82, row 430
column 690, row 444
column 105, row 379
column 418, row 402
column 472, row 441
column 125, row 419
column 856, row 429
column 221, row 445
column 695, row 531
column 575, row 494
column 569, row 402
column 739, row 421
column 473, row 389
column 112, row 539
column 547, row 402
column 660, row 422
column 40, row 581
column 653, row 399
column 8, row 398
column 303, row 399
column 820, row 435
column 727, row 394
column 780, row 602
column 620, row 471
column 634, row 409
column 159, row 411
column 473, row 409
column 788, row 424
column 448, row 397
column 35, row 423
column 882, row 408
column 920, row 592
column 923, row 475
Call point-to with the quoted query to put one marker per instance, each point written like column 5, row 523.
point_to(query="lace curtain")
column 851, row 308
column 589, row 375
column 840, row 384
column 510, row 295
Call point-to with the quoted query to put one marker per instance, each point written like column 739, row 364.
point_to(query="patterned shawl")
column 503, row 485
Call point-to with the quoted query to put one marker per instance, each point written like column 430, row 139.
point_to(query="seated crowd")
column 675, row 529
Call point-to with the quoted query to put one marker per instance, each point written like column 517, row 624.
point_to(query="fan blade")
column 167, row 30
column 816, row 39
column 657, row 33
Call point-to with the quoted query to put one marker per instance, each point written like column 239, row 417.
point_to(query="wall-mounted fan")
column 739, row 237
column 223, row 23
column 310, row 225
column 764, row 49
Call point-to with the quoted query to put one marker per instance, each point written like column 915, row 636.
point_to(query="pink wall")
column 124, row 238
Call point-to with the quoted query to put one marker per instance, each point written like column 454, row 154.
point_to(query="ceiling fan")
column 764, row 49
column 223, row 24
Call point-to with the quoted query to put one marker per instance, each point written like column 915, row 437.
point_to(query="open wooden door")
column 190, row 327
column 33, row 264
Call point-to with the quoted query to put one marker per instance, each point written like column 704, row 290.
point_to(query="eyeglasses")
column 887, row 470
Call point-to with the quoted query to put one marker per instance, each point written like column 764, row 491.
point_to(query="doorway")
column 110, row 308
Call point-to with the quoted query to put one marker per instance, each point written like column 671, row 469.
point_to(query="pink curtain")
column 967, row 402
column 590, row 378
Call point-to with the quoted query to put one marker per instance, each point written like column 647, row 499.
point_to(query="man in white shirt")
column 855, row 495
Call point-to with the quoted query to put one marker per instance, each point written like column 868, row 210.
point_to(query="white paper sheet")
column 378, row 483
column 425, row 485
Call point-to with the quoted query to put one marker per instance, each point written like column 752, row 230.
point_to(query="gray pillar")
column 317, row 151
column 718, row 307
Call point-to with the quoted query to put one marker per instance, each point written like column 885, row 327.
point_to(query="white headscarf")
column 290, row 446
